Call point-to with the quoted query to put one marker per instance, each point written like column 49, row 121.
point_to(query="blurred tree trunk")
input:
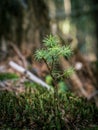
column 95, row 16
column 21, row 23
column 39, row 23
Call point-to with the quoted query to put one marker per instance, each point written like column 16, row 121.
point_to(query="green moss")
column 29, row 84
column 41, row 111
column 7, row 76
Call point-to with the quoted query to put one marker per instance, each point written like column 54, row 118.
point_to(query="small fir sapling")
column 51, row 53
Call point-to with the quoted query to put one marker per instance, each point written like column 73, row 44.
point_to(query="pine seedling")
column 51, row 53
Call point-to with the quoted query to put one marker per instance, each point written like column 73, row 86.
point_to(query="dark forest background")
column 28, row 21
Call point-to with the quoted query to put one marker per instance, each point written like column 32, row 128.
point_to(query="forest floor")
column 20, row 99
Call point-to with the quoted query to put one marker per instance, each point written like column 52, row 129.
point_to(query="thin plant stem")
column 50, row 72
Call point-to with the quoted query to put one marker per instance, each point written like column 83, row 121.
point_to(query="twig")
column 93, row 95
column 17, row 51
column 28, row 74
column 74, row 78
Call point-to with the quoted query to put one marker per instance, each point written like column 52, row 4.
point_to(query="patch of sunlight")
column 91, row 57
column 65, row 26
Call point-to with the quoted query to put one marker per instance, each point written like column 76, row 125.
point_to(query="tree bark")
column 95, row 16
column 39, row 22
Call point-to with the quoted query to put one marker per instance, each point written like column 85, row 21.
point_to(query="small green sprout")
column 51, row 54
column 52, row 50
column 50, row 41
